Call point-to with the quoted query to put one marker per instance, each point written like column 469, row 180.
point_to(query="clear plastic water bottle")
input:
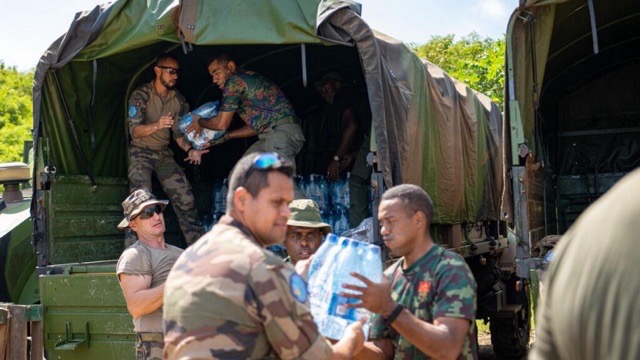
column 214, row 197
column 345, row 200
column 207, row 222
column 341, row 221
column 316, row 192
column 220, row 199
column 324, row 191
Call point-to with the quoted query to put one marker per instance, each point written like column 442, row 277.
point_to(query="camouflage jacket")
column 439, row 284
column 227, row 297
column 257, row 100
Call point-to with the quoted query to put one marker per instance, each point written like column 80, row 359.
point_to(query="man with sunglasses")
column 143, row 268
column 152, row 109
column 228, row 297
column 305, row 230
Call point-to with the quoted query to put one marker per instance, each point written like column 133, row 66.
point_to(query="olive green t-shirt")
column 146, row 107
column 141, row 259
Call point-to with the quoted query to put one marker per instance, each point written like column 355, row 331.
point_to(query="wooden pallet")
column 18, row 324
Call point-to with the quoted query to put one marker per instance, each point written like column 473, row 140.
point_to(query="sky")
column 28, row 27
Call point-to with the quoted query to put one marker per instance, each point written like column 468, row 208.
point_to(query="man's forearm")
column 140, row 131
column 441, row 341
column 146, row 301
column 243, row 132
column 183, row 144
column 371, row 352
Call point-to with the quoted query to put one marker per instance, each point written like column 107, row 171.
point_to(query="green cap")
column 305, row 213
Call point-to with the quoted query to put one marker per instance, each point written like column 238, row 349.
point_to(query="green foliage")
column 16, row 112
column 473, row 60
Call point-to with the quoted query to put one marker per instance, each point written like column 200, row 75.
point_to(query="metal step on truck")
column 499, row 186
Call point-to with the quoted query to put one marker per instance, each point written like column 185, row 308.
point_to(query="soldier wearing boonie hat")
column 305, row 230
column 135, row 202
column 143, row 269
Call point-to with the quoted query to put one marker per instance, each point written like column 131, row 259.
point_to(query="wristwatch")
column 336, row 158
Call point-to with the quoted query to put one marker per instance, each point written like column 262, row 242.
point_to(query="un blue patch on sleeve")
column 132, row 111
column 298, row 288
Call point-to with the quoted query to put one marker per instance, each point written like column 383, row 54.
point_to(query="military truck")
column 426, row 128
column 571, row 110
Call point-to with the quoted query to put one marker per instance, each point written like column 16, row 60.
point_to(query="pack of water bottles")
column 330, row 268
column 332, row 198
column 207, row 110
column 219, row 199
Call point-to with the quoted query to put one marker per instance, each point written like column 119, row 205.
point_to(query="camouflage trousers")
column 143, row 163
column 286, row 140
column 146, row 348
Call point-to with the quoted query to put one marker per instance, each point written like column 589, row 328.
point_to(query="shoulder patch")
column 298, row 288
column 133, row 110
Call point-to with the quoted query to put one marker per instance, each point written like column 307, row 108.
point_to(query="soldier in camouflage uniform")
column 143, row 268
column 425, row 306
column 152, row 108
column 261, row 104
column 228, row 297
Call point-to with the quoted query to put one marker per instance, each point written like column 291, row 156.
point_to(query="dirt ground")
column 485, row 350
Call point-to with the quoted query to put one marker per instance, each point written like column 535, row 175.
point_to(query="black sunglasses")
column 147, row 213
column 170, row 70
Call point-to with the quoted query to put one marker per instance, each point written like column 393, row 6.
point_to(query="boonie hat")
column 305, row 213
column 326, row 77
column 135, row 202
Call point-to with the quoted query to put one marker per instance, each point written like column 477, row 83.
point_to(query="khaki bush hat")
column 135, row 202
column 305, row 213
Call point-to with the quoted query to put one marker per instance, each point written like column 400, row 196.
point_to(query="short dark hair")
column 221, row 57
column 165, row 56
column 414, row 197
column 254, row 180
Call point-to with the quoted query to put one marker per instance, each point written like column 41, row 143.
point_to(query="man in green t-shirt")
column 153, row 108
column 426, row 304
column 143, row 269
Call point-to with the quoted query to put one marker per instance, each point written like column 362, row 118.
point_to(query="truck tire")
column 510, row 335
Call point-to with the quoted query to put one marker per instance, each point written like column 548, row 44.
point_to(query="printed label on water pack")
column 338, row 307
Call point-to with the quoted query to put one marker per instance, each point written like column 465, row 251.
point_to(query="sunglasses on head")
column 147, row 213
column 268, row 161
column 170, row 70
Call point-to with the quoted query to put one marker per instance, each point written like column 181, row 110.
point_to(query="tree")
column 16, row 112
column 477, row 62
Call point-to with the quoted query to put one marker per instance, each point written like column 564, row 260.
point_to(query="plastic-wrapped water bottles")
column 207, row 110
column 330, row 269
column 340, row 192
column 341, row 221
column 207, row 222
column 219, row 199
column 318, row 191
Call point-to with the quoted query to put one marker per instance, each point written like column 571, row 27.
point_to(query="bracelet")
column 189, row 149
column 394, row 314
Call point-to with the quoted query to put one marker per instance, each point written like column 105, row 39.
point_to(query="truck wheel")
column 510, row 335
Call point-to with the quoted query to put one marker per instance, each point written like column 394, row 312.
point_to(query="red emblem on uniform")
column 138, row 103
column 423, row 289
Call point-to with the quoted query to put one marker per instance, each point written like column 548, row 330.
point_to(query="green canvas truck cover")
column 572, row 83
column 429, row 129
